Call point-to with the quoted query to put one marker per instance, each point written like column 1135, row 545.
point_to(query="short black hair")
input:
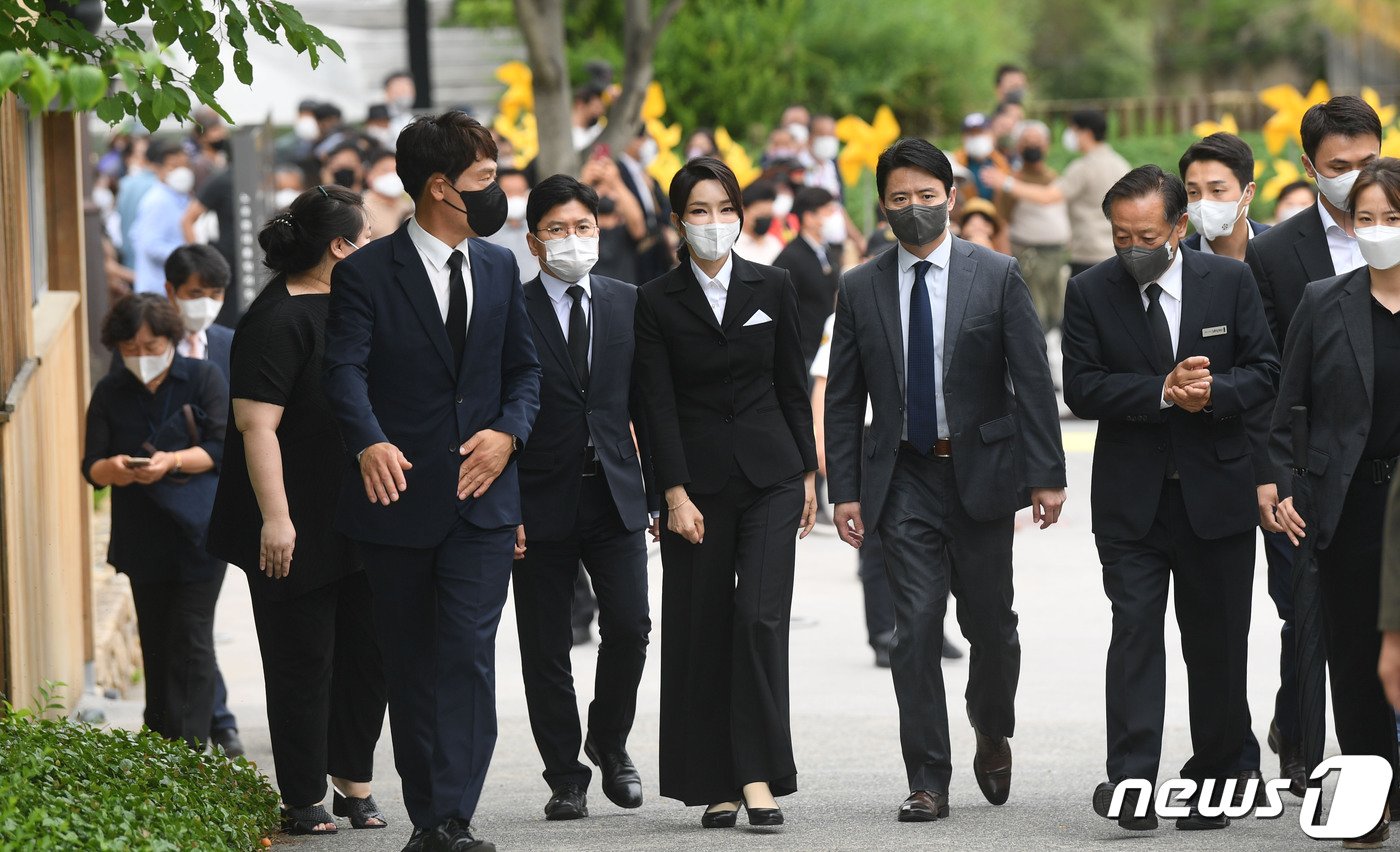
column 1146, row 180
column 324, row 111
column 1225, row 148
column 377, row 112
column 760, row 190
column 1007, row 68
column 374, row 157
column 127, row 316
column 348, row 145
column 915, row 154
column 505, row 173
column 1344, row 115
column 198, row 259
column 1294, row 187
column 587, row 92
column 810, row 199
column 1091, row 120
column 448, row 144
column 162, row 148
column 395, row 75
column 554, row 191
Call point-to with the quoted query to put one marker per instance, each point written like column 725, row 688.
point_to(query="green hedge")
column 66, row 786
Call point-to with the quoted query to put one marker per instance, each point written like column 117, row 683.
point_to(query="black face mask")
column 761, row 224
column 220, row 145
column 486, row 209
column 606, row 206
column 343, row 177
column 1033, row 155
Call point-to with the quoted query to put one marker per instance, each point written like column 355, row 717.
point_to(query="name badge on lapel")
column 1214, row 331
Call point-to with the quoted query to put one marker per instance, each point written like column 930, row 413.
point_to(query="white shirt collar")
column 722, row 277
column 559, row 290
column 1328, row 223
column 434, row 250
column 938, row 257
column 1205, row 243
column 1170, row 280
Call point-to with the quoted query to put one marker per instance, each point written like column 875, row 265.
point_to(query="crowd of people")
column 463, row 376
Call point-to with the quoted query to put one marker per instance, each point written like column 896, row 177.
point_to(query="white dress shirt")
column 937, row 281
column 1346, row 254
column 639, row 179
column 563, row 303
column 1170, row 300
column 187, row 347
column 820, row 251
column 716, row 289
column 435, row 254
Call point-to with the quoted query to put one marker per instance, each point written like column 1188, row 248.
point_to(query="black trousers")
column 584, row 605
column 1212, row 581
column 325, row 686
column 879, row 603
column 176, row 624
column 725, row 608
column 221, row 718
column 436, row 611
column 616, row 561
column 1349, row 571
column 931, row 547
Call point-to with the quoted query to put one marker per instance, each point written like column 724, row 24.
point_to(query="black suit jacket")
column 1284, row 259
column 551, row 463
column 1110, row 377
column 1329, row 367
column 724, row 398
column 390, row 377
column 816, row 290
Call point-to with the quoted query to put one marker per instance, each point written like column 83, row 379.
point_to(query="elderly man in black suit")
column 1169, row 350
column 583, row 496
column 941, row 336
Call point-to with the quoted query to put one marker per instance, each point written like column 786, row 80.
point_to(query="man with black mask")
column 1169, row 350
column 432, row 376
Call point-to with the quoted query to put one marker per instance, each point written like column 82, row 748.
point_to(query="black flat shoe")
column 568, row 802
column 360, row 811
column 719, row 819
column 764, row 816
column 227, row 739
column 1103, row 802
column 307, row 820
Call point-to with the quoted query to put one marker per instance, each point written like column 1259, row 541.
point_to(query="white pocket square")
column 759, row 318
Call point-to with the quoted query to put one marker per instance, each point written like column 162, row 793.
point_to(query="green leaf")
column 209, row 77
column 41, row 86
column 242, row 67
column 11, row 68
column 110, row 109
column 124, row 11
column 87, row 85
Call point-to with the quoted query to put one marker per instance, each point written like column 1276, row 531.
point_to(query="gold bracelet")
column 674, row 508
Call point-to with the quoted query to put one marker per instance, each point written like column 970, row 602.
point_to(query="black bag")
column 187, row 498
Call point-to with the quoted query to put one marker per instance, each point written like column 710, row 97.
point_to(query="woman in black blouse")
column 174, row 582
column 274, row 518
column 719, row 362
column 1342, row 362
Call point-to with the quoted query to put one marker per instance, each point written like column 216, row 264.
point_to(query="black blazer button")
column 728, row 418
column 728, row 379
column 723, row 342
column 459, row 400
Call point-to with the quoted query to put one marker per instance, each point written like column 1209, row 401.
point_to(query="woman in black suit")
column 720, row 365
column 1342, row 362
column 135, row 423
column 274, row 518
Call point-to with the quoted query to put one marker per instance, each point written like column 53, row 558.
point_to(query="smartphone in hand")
column 138, row 461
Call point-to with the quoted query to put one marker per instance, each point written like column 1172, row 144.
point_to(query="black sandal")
column 307, row 820
column 360, row 811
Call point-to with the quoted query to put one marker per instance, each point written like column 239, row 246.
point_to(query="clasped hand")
column 1188, row 386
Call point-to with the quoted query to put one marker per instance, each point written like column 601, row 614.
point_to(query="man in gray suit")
column 941, row 336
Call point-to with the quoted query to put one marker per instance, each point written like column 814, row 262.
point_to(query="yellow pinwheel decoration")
column 519, row 96
column 1289, row 105
column 1390, row 145
column 736, row 158
column 1373, row 100
column 1285, row 172
column 864, row 142
column 667, row 137
column 1226, row 124
column 655, row 104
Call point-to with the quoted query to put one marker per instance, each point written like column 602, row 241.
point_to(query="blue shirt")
column 130, row 191
column 155, row 234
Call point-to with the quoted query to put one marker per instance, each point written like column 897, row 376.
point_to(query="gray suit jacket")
column 1329, row 366
column 1002, row 415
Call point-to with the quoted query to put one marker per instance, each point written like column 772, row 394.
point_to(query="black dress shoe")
column 1242, row 785
column 1196, row 821
column 924, row 806
column 227, row 739
column 951, row 651
column 1103, row 801
column 416, row 840
column 764, row 816
column 992, row 767
column 568, row 802
column 719, row 819
column 622, row 784
column 1290, row 762
column 455, row 836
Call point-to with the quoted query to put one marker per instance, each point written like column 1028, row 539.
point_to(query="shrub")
column 66, row 785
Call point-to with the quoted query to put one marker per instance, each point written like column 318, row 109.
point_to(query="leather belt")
column 942, row 449
column 591, row 465
column 1379, row 470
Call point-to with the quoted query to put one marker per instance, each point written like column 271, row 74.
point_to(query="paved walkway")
column 845, row 725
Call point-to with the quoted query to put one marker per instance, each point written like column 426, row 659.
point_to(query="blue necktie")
column 922, row 379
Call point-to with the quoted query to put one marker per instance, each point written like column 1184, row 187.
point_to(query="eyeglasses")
column 583, row 230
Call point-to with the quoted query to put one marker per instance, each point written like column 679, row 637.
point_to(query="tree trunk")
column 640, row 34
column 542, row 26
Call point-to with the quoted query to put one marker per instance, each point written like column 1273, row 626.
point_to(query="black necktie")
column 1161, row 332
column 578, row 336
column 922, row 381
column 456, row 309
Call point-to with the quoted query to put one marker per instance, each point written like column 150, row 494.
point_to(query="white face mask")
column 1070, row 140
column 515, row 207
column 284, row 198
column 307, row 129
column 104, row 199
column 826, row 147
column 570, row 258
column 713, row 240
column 649, row 151
column 199, row 314
column 782, row 205
column 147, row 367
column 1336, row 189
column 1215, row 219
column 834, row 229
column 389, row 185
column 180, row 179
column 979, row 147
column 799, row 132
column 1380, row 245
